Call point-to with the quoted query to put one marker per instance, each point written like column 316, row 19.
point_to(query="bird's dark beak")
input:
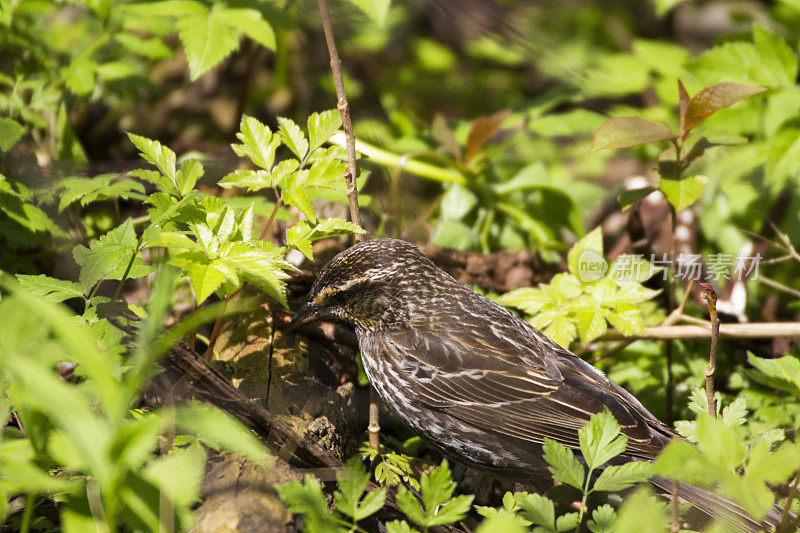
column 306, row 315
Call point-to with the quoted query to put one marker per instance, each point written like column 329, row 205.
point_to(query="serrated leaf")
column 603, row 519
column 528, row 299
column 585, row 259
column 684, row 192
column 410, row 505
column 207, row 39
column 258, row 142
column 306, row 498
column 173, row 241
column 293, row 137
column 713, row 98
column 10, row 132
column 616, row 478
column 567, row 522
column 600, row 439
column 108, row 257
column 51, row 289
column 156, row 154
column 452, row 510
column 187, row 175
column 251, row 23
column 262, row 264
column 735, row 413
column 783, row 161
column 302, row 235
column 782, row 373
column 97, row 188
column 560, row 330
column 538, row 509
column 564, row 466
column 205, row 277
column 437, row 486
column 321, row 126
column 624, row 132
column 252, row 180
column 591, row 323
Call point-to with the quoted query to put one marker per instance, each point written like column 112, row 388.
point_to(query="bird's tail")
column 719, row 507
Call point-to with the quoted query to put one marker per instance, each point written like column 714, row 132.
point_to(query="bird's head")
column 372, row 282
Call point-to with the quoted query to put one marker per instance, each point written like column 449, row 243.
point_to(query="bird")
column 474, row 379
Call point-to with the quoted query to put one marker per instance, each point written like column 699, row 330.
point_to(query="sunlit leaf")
column 624, row 132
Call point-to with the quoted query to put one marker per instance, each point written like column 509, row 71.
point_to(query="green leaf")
column 258, row 143
column 302, row 235
column 528, row 299
column 410, row 505
column 627, row 198
column 711, row 99
column 782, row 373
column 321, row 126
column 97, row 188
column 399, row 526
column 306, row 498
column 437, row 486
column 682, row 193
column 453, row 234
column 502, row 520
column 108, row 257
column 326, row 173
column 294, row 193
column 173, row 241
column 538, row 509
column 221, row 430
column 560, row 330
column 624, row 132
column 735, row 413
column 156, row 154
column 51, row 289
column 783, row 161
column 374, row 9
column 616, row 478
column 452, row 510
column 205, row 277
column 563, row 464
column 10, row 132
column 642, row 503
column 603, row 519
column 252, row 180
column 457, row 202
column 187, row 176
column 251, row 23
column 585, row 258
column 207, row 39
column 568, row 521
column 261, row 263
column 601, row 440
column 293, row 137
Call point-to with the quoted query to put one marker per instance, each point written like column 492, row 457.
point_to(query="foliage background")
column 476, row 122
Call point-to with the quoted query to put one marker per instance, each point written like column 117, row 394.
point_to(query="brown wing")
column 526, row 387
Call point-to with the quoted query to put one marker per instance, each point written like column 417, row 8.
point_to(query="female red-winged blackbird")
column 477, row 381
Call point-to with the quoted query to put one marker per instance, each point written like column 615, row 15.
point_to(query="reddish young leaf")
column 684, row 97
column 483, row 129
column 712, row 99
column 624, row 132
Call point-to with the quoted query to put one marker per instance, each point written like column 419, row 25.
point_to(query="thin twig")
column 675, row 526
column 678, row 311
column 789, row 499
column 350, row 180
column 710, row 295
column 755, row 330
column 341, row 104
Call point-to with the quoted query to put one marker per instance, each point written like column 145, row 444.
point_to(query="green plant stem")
column 412, row 166
column 27, row 514
column 583, row 500
column 134, row 255
column 783, row 523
